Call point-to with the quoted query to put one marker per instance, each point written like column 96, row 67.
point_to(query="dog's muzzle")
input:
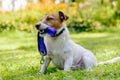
column 41, row 27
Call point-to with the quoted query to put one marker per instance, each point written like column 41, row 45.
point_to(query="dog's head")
column 54, row 20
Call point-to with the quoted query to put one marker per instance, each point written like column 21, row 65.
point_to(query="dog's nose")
column 37, row 26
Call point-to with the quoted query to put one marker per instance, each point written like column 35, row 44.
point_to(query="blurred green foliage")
column 21, row 20
column 96, row 17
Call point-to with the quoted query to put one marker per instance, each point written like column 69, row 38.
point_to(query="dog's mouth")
column 45, row 29
column 42, row 31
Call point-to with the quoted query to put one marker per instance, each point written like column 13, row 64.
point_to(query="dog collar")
column 59, row 32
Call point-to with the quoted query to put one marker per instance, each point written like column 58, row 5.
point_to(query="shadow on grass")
column 52, row 70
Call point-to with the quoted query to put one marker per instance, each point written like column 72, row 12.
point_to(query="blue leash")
column 41, row 45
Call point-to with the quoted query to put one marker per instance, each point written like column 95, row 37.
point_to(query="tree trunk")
column 13, row 5
column 102, row 2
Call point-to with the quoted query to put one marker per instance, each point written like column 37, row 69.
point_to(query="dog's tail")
column 116, row 59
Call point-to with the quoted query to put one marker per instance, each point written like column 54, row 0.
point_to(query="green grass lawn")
column 20, row 59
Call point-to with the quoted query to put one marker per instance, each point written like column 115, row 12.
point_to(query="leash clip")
column 42, row 60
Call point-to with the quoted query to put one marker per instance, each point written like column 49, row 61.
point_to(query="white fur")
column 116, row 59
column 68, row 55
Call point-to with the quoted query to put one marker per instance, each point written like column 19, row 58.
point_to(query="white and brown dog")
column 64, row 53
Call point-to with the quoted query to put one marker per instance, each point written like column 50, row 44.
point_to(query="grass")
column 19, row 58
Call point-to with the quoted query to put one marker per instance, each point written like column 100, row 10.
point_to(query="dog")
column 62, row 51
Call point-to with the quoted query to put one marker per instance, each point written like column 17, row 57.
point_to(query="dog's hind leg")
column 68, row 64
column 79, row 65
column 89, row 63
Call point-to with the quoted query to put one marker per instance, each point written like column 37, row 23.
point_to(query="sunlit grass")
column 19, row 58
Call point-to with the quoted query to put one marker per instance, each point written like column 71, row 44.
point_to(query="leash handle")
column 43, row 53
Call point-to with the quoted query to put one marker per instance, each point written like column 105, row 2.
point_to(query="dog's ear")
column 63, row 16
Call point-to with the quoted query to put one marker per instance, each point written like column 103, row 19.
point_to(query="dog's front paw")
column 67, row 69
column 40, row 73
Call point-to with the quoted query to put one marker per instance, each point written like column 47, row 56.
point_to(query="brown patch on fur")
column 53, row 20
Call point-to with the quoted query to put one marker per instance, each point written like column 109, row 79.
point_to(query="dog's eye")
column 48, row 19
